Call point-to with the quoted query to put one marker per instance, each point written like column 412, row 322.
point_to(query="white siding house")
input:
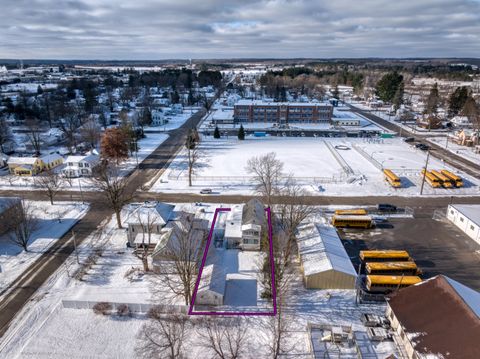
column 211, row 289
column 245, row 225
column 158, row 118
column 80, row 166
column 467, row 218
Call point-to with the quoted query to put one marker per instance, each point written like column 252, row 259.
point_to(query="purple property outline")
column 272, row 268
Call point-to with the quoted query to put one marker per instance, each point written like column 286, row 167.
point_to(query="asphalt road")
column 22, row 289
column 452, row 159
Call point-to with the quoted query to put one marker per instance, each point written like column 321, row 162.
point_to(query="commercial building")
column 467, row 218
column 438, row 318
column 325, row 262
column 282, row 112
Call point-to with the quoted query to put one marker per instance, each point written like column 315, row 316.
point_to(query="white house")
column 244, row 225
column 147, row 219
column 467, row 218
column 461, row 122
column 158, row 118
column 80, row 166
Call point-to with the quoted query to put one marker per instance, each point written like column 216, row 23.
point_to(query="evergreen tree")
column 241, row 133
column 388, row 85
column 39, row 90
column 216, row 133
column 335, row 92
column 432, row 102
column 398, row 98
column 457, row 100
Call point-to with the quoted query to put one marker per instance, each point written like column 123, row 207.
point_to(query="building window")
column 462, row 219
column 472, row 227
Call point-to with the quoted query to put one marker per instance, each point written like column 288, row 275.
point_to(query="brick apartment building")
column 282, row 112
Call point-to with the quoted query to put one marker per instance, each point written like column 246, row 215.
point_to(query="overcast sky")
column 160, row 29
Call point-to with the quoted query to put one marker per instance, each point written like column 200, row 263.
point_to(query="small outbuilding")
column 467, row 218
column 325, row 262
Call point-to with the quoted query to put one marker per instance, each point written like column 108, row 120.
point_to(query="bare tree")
column 267, row 173
column 277, row 330
column 21, row 223
column 6, row 135
column 224, row 337
column 180, row 257
column 163, row 336
column 33, row 133
column 113, row 187
column 193, row 153
column 292, row 212
column 146, row 221
column 51, row 182
column 90, row 133
column 69, row 126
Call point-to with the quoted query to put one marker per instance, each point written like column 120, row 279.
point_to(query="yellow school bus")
column 446, row 183
column 431, row 179
column 392, row 178
column 352, row 212
column 392, row 268
column 389, row 283
column 389, row 255
column 355, row 221
column 456, row 180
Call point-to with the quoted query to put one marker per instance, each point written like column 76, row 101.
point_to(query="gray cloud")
column 156, row 29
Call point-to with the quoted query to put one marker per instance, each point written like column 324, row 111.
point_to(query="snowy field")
column 53, row 222
column 146, row 146
column 323, row 166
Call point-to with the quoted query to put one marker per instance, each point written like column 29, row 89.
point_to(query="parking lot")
column 437, row 246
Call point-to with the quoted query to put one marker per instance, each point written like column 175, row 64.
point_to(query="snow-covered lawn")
column 312, row 162
column 53, row 222
column 145, row 147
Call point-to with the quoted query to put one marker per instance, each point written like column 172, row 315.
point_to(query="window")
column 472, row 227
column 451, row 211
column 462, row 219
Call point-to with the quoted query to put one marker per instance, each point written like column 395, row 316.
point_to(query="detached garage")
column 325, row 262
column 467, row 218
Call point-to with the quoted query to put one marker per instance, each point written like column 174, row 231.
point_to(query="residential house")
column 467, row 218
column 181, row 234
column 25, row 166
column 439, row 318
column 80, row 166
column 51, row 161
column 147, row 220
column 158, row 118
column 245, row 225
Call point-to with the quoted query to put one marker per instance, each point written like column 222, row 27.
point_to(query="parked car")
column 424, row 147
column 206, row 191
column 418, row 145
column 385, row 207
column 409, row 139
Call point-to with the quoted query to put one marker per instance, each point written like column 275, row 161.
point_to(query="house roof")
column 253, row 212
column 471, row 211
column 22, row 160
column 440, row 316
column 321, row 250
column 151, row 212
column 51, row 157
column 85, row 158
column 233, row 225
column 213, row 278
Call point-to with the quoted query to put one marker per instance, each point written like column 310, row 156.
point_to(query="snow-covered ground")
column 47, row 329
column 314, row 162
column 53, row 222
column 466, row 152
column 145, row 147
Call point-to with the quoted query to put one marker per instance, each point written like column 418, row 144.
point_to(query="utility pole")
column 75, row 246
column 424, row 172
column 81, row 191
